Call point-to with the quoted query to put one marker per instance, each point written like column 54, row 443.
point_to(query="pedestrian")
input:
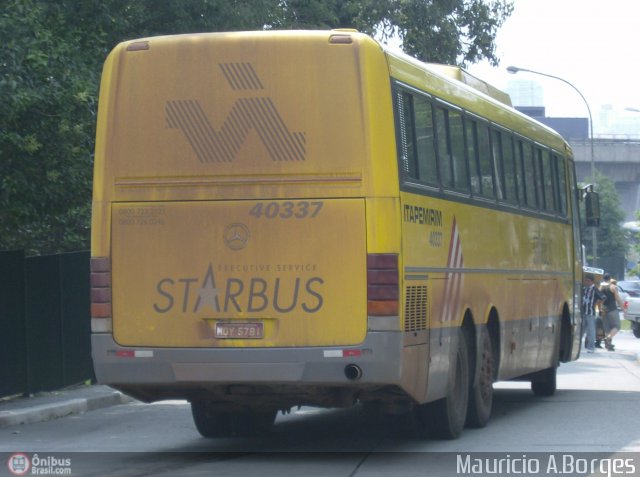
column 591, row 298
column 610, row 313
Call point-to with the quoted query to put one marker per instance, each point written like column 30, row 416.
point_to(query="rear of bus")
column 246, row 226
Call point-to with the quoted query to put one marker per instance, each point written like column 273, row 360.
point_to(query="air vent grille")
column 416, row 308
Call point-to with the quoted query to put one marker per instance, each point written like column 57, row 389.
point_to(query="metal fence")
column 44, row 322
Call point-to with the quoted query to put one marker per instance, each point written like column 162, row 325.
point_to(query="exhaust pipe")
column 352, row 372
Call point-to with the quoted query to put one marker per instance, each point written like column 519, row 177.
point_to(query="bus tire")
column 210, row 423
column 445, row 418
column 543, row 382
column 252, row 422
column 481, row 392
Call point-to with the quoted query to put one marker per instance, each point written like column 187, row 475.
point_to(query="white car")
column 630, row 293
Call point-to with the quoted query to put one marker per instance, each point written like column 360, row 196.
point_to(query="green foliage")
column 48, row 97
column 442, row 31
column 612, row 239
column 451, row 31
column 51, row 59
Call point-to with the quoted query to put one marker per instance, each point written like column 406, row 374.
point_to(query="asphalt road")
column 592, row 414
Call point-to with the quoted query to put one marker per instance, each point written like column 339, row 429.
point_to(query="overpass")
column 618, row 159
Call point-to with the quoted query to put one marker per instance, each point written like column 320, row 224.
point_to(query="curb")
column 59, row 409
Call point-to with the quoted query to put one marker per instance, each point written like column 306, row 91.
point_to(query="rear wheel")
column 209, row 422
column 481, row 394
column 544, row 382
column 212, row 423
column 636, row 329
column 446, row 417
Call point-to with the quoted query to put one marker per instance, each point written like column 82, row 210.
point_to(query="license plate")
column 239, row 330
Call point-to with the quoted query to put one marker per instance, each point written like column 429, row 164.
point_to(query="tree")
column 440, row 31
column 50, row 64
column 51, row 59
column 612, row 238
column 48, row 96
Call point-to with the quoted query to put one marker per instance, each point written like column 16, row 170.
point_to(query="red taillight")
column 100, row 287
column 382, row 284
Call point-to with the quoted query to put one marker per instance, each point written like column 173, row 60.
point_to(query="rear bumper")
column 632, row 317
column 379, row 357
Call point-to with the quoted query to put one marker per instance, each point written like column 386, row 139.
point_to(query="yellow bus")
column 307, row 218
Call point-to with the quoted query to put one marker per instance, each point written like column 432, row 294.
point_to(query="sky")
column 592, row 44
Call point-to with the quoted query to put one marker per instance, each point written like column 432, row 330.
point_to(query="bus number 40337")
column 286, row 210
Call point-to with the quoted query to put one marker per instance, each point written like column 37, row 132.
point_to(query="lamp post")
column 514, row 70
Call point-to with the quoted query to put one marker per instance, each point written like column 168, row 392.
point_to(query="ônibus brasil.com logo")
column 19, row 464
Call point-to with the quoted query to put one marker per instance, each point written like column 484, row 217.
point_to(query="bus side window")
column 529, row 175
column 497, row 159
column 427, row 166
column 471, row 142
column 444, row 149
column 485, row 162
column 548, row 182
column 460, row 164
column 562, row 183
column 537, row 165
column 510, row 177
column 406, row 134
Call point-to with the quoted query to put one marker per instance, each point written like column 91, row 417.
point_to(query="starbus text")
column 252, row 295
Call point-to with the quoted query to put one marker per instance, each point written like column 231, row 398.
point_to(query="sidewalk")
column 625, row 344
column 51, row 405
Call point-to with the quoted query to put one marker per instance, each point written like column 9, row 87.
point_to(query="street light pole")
column 514, row 70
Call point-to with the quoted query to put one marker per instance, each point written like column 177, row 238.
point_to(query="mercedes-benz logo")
column 236, row 236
